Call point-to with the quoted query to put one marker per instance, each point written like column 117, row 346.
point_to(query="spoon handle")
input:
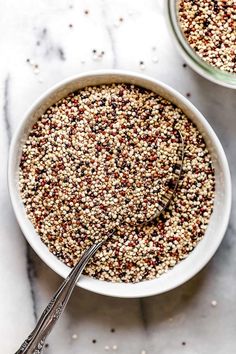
column 35, row 342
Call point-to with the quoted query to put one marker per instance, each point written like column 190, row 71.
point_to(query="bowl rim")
column 103, row 287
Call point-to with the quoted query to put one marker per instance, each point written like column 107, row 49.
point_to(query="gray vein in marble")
column 61, row 53
column 6, row 108
column 44, row 32
column 232, row 227
column 55, row 50
column 6, row 115
column 44, row 41
column 31, row 277
column 229, row 241
column 110, row 35
column 143, row 314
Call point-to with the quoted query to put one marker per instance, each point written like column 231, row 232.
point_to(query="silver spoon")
column 35, row 342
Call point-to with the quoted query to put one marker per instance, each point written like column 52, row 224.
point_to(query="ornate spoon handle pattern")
column 35, row 342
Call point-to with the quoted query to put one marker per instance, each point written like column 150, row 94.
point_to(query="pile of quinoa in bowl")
column 102, row 158
column 209, row 27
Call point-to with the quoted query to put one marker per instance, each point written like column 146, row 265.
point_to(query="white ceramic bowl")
column 219, row 219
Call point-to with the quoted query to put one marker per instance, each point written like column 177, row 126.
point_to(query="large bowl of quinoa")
column 204, row 31
column 95, row 153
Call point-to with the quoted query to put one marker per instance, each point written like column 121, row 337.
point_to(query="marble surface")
column 60, row 36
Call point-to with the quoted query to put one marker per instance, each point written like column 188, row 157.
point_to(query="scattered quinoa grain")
column 214, row 303
column 34, row 66
column 154, row 59
column 36, row 71
column 141, row 65
column 97, row 55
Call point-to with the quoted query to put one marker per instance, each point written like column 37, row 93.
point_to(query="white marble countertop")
column 60, row 36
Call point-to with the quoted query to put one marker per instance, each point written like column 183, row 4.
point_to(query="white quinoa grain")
column 214, row 303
